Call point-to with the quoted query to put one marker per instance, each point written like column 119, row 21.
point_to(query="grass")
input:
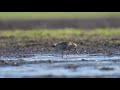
column 53, row 15
column 60, row 33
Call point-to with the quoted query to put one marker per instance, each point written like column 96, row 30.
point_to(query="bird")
column 65, row 46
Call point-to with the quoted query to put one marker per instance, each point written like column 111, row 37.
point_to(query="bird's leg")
column 66, row 53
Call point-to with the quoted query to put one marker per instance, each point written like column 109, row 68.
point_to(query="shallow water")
column 83, row 65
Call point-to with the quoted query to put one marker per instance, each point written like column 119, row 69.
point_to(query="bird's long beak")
column 77, row 51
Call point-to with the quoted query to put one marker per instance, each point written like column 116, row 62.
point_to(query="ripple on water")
column 72, row 57
column 84, row 65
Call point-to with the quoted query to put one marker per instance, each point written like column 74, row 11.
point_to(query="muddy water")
column 83, row 65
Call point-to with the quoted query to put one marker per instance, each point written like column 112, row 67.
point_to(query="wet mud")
column 10, row 46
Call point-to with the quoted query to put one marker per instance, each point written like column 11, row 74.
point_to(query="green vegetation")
column 60, row 33
column 53, row 15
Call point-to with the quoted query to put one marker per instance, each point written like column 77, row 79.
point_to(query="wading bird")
column 65, row 46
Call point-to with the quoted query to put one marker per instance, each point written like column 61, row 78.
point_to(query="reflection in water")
column 87, row 65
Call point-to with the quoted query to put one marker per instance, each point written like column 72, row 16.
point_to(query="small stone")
column 83, row 60
column 72, row 66
column 50, row 61
column 106, row 68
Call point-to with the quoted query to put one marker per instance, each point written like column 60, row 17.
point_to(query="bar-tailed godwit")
column 65, row 46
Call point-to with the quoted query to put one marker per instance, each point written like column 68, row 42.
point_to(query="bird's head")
column 72, row 46
column 53, row 45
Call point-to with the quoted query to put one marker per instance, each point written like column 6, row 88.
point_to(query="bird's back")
column 62, row 45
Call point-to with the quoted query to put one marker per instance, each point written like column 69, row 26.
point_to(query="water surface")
column 83, row 65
